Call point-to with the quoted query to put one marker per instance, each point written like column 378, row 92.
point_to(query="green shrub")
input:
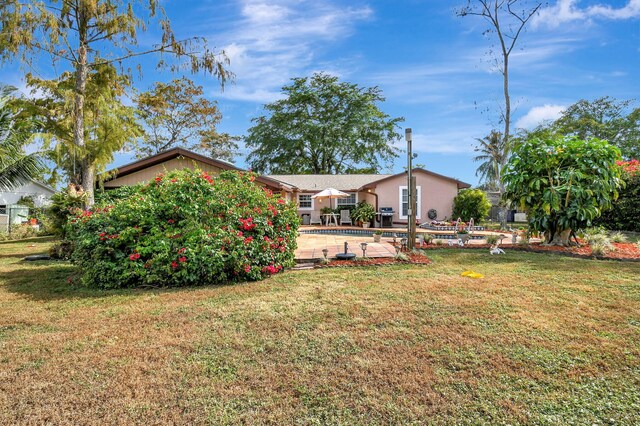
column 618, row 237
column 492, row 239
column 598, row 240
column 594, row 235
column 401, row 257
column 471, row 203
column 600, row 248
column 624, row 214
column 111, row 196
column 18, row 232
column 186, row 228
column 63, row 206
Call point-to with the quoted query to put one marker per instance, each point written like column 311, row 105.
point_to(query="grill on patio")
column 385, row 216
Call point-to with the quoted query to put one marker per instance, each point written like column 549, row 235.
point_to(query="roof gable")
column 460, row 184
column 177, row 152
column 314, row 183
column 355, row 182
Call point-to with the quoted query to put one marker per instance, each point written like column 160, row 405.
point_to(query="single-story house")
column 39, row 192
column 12, row 213
column 434, row 191
column 148, row 168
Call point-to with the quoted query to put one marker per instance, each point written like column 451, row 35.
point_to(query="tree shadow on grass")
column 543, row 261
column 46, row 280
column 49, row 281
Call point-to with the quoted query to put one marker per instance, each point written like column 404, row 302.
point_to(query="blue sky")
column 432, row 66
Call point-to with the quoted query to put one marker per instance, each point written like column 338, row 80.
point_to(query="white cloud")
column 565, row 11
column 538, row 115
column 450, row 140
column 275, row 41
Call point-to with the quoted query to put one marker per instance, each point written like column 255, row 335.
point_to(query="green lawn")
column 541, row 340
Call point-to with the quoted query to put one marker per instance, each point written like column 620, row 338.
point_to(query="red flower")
column 174, row 264
column 270, row 269
column 182, row 250
column 248, row 240
column 134, row 256
column 247, row 268
column 182, row 259
column 281, row 201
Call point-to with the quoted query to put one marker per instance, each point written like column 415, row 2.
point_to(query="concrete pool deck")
column 310, row 245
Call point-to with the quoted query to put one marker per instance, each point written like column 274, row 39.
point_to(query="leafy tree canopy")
column 108, row 124
column 323, row 126
column 604, row 118
column 177, row 114
column 85, row 35
column 563, row 183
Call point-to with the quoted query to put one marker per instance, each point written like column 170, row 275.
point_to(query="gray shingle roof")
column 314, row 183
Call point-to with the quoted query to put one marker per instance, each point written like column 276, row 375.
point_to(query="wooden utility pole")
column 411, row 194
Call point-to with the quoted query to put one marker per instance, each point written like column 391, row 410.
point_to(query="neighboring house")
column 10, row 213
column 434, row 191
column 148, row 168
column 40, row 193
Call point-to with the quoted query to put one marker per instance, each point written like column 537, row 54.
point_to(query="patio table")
column 328, row 217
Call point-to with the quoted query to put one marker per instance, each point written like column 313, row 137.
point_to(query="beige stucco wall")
column 149, row 173
column 319, row 203
column 436, row 193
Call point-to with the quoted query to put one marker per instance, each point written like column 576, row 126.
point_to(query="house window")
column 351, row 200
column 404, row 202
column 305, row 202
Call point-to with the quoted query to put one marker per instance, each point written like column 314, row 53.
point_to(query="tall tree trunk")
column 559, row 238
column 86, row 171
column 507, row 127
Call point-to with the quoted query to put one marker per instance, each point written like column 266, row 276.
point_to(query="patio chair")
column 345, row 217
column 315, row 218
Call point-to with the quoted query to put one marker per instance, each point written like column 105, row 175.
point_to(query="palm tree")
column 494, row 151
column 16, row 167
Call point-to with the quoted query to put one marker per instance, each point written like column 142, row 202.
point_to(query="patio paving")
column 310, row 246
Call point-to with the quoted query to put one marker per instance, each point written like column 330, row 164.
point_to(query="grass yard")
column 542, row 339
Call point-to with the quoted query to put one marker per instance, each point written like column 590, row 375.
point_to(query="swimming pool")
column 385, row 234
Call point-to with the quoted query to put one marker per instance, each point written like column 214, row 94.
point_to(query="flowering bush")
column 186, row 228
column 631, row 167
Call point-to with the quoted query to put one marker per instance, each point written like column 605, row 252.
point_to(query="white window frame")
column 312, row 201
column 419, row 201
column 342, row 199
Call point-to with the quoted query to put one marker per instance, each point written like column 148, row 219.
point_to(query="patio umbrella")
column 330, row 193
